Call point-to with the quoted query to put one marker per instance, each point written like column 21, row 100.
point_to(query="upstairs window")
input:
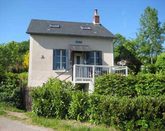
column 59, row 59
column 85, row 27
column 54, row 26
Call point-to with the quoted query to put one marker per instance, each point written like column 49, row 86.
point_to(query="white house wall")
column 41, row 55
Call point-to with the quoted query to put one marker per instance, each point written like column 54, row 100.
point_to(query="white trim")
column 60, row 70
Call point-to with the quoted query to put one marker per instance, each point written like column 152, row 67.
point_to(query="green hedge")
column 11, row 89
column 131, row 86
column 52, row 99
column 142, row 112
column 59, row 99
column 78, row 106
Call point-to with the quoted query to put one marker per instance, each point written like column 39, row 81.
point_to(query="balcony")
column 87, row 73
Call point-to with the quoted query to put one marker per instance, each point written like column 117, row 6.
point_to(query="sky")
column 118, row 16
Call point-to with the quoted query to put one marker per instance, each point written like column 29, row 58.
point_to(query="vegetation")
column 144, row 49
column 12, row 56
column 13, row 75
column 136, row 102
column 11, row 88
column 126, row 50
column 131, row 86
column 150, row 37
column 46, row 99
column 66, row 125
column 160, row 63
column 145, row 110
column 60, row 125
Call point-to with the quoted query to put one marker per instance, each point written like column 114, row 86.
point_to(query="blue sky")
column 119, row 16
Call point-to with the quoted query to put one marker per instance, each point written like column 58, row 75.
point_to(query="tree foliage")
column 12, row 54
column 160, row 62
column 150, row 37
column 126, row 50
column 26, row 60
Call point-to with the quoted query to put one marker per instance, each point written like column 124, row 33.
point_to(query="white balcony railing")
column 87, row 73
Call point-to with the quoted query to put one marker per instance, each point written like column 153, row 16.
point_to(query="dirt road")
column 7, row 124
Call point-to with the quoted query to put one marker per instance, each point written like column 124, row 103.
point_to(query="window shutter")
column 87, row 58
column 54, row 54
column 91, row 61
column 67, row 59
column 90, row 58
column 100, row 57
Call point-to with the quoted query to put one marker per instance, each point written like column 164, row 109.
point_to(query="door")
column 81, row 71
column 78, row 58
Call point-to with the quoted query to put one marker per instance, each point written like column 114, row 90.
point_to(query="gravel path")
column 7, row 124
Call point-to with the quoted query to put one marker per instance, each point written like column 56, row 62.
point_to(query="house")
column 72, row 51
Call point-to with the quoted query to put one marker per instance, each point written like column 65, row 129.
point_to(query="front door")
column 78, row 58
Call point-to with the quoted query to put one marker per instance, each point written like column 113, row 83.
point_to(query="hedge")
column 52, row 99
column 11, row 87
column 59, row 99
column 138, row 113
column 131, row 86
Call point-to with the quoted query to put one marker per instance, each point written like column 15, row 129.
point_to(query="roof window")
column 54, row 26
column 85, row 27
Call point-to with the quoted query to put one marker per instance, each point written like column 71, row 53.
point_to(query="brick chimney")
column 96, row 18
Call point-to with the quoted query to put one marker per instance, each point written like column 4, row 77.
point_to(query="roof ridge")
column 61, row 21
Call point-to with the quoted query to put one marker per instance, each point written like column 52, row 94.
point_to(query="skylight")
column 54, row 26
column 85, row 27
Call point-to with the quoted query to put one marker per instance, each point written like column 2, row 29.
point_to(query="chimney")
column 96, row 18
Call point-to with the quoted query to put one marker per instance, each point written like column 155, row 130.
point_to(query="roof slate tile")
column 68, row 28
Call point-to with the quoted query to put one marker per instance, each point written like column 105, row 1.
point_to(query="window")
column 85, row 27
column 54, row 26
column 94, row 58
column 59, row 59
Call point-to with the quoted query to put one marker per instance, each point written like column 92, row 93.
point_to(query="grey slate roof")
column 42, row 27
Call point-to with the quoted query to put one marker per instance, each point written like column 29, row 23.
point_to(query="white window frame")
column 60, row 62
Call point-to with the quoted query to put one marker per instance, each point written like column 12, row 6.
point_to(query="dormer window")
column 54, row 26
column 85, row 27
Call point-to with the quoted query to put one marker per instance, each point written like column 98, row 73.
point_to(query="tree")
column 26, row 61
column 12, row 54
column 118, row 43
column 150, row 37
column 126, row 50
column 160, row 62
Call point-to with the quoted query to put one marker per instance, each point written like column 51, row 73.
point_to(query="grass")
column 6, row 107
column 56, row 124
column 66, row 125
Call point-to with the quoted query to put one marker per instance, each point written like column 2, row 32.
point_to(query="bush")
column 58, row 99
column 52, row 99
column 128, row 113
column 150, row 84
column 160, row 62
column 131, row 86
column 11, row 90
column 149, row 68
column 24, row 78
column 79, row 106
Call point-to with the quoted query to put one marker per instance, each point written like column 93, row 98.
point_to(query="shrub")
column 115, row 85
column 11, row 90
column 149, row 68
column 52, row 99
column 128, row 113
column 160, row 62
column 131, row 86
column 79, row 106
column 58, row 99
column 24, row 78
column 150, row 84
